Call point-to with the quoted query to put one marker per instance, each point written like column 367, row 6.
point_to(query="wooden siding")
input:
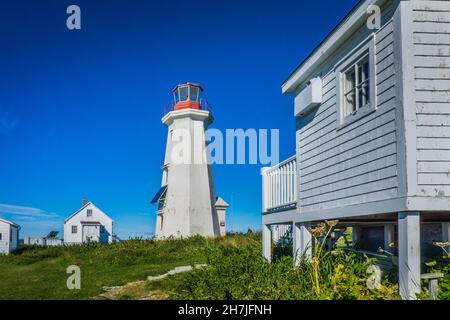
column 431, row 36
column 356, row 163
column 14, row 239
column 4, row 243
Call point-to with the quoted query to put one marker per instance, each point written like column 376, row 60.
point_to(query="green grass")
column 236, row 270
column 40, row 273
column 242, row 274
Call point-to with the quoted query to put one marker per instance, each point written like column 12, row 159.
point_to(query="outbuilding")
column 9, row 236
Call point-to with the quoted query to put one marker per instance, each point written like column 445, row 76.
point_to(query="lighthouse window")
column 193, row 94
column 184, row 93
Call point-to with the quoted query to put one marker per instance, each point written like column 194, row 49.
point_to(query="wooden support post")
column 356, row 236
column 302, row 243
column 388, row 236
column 433, row 288
column 445, row 232
column 267, row 242
column 433, row 283
column 409, row 254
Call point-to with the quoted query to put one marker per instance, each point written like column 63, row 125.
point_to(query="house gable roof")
column 10, row 223
column 355, row 18
column 82, row 208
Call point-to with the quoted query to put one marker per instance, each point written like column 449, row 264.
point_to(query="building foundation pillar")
column 302, row 243
column 445, row 231
column 409, row 254
column 388, row 236
column 267, row 242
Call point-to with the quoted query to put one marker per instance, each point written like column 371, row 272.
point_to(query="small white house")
column 9, row 236
column 88, row 224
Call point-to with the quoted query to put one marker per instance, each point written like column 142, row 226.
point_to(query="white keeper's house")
column 88, row 224
column 9, row 236
column 372, row 108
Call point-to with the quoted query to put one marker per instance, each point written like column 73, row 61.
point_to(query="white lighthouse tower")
column 187, row 201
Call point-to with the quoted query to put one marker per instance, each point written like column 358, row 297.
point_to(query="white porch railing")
column 281, row 231
column 279, row 184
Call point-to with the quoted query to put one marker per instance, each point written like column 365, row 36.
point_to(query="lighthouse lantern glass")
column 183, row 93
column 194, row 93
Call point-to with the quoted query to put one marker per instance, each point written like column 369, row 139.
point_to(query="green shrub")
column 242, row 273
column 442, row 265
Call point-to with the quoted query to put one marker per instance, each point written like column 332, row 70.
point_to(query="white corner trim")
column 405, row 100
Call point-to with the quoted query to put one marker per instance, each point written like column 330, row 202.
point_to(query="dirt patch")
column 132, row 291
column 138, row 290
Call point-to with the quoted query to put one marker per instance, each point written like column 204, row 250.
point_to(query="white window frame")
column 74, row 228
column 367, row 48
column 89, row 211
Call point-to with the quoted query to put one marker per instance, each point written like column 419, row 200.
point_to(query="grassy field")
column 234, row 269
column 40, row 273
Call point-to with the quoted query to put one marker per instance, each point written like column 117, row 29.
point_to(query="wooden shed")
column 9, row 236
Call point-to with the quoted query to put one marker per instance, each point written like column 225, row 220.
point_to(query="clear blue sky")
column 80, row 111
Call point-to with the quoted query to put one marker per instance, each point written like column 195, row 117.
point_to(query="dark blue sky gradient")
column 80, row 111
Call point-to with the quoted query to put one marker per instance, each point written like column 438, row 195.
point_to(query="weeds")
column 241, row 273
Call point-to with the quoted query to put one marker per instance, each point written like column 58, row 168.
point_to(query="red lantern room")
column 187, row 96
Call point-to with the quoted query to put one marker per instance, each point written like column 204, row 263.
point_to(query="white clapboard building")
column 372, row 107
column 88, row 224
column 9, row 236
column 50, row 240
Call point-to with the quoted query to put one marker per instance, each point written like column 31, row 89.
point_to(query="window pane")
column 194, row 94
column 365, row 97
column 350, row 80
column 365, row 71
column 350, row 103
column 360, row 74
column 356, row 86
column 183, row 93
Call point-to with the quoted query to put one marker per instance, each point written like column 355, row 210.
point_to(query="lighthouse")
column 187, row 203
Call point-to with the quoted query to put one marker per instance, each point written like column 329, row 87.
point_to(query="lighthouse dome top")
column 187, row 95
column 188, row 84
